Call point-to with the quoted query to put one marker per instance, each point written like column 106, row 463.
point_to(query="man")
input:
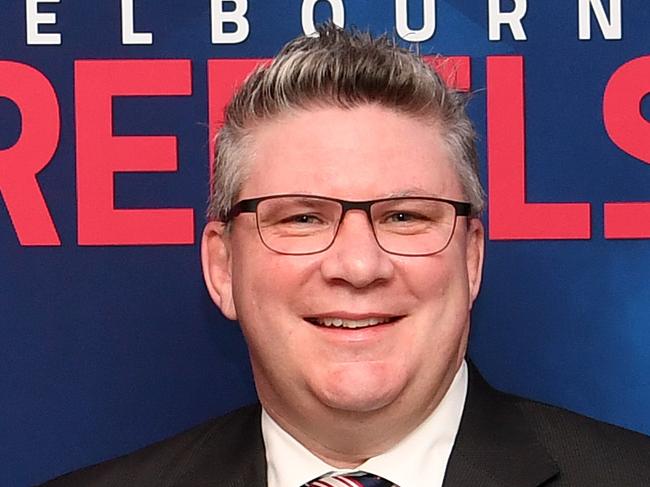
column 343, row 236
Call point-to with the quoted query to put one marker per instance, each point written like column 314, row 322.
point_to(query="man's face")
column 359, row 154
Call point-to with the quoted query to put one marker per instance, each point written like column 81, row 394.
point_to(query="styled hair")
column 346, row 69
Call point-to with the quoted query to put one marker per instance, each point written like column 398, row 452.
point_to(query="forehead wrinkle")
column 410, row 191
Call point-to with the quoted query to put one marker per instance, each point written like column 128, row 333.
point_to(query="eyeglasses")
column 296, row 224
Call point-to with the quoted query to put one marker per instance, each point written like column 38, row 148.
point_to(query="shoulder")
column 587, row 451
column 516, row 438
column 574, row 438
column 164, row 462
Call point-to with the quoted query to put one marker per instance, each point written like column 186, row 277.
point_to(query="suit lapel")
column 495, row 447
column 232, row 455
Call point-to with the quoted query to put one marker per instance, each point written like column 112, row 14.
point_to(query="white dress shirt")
column 419, row 460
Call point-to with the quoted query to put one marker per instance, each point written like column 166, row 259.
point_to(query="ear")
column 217, row 266
column 474, row 256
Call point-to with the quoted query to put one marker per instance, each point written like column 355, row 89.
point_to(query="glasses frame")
column 461, row 208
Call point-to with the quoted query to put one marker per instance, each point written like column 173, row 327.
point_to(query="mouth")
column 351, row 324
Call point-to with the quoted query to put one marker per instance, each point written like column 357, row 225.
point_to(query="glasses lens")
column 413, row 226
column 297, row 224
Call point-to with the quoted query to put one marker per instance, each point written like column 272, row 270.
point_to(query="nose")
column 355, row 257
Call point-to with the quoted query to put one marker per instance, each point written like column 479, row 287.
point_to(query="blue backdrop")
column 108, row 344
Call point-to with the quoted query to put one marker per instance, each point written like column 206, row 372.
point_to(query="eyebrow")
column 410, row 191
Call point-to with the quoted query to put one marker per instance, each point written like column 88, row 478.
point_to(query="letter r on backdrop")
column 36, row 99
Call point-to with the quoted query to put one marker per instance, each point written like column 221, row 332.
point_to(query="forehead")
column 359, row 153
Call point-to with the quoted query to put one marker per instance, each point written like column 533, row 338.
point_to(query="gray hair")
column 345, row 69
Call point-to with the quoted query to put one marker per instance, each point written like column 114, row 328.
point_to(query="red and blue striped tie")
column 354, row 479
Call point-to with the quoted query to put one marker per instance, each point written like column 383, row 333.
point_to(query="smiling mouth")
column 334, row 322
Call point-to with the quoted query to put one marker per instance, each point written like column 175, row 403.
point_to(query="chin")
column 358, row 404
column 361, row 389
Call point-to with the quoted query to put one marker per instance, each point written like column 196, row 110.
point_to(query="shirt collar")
column 418, row 460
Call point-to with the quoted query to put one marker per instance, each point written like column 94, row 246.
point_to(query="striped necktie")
column 353, row 479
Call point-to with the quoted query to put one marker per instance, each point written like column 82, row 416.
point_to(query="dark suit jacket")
column 503, row 441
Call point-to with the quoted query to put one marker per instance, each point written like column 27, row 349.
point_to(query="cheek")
column 442, row 295
column 277, row 281
column 432, row 280
column 268, row 289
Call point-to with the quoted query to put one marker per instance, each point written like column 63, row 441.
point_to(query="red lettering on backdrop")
column 100, row 154
column 454, row 70
column 510, row 216
column 226, row 75
column 36, row 99
column 631, row 132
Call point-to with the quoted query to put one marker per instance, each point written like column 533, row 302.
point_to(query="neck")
column 346, row 439
column 349, row 439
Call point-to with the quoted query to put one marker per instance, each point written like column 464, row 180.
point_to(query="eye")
column 303, row 219
column 403, row 217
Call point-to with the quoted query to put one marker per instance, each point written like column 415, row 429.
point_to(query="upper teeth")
column 340, row 322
